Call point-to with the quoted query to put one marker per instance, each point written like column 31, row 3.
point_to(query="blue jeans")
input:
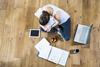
column 65, row 30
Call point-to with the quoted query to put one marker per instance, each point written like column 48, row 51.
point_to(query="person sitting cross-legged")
column 54, row 19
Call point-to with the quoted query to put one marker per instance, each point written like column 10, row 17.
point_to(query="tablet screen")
column 34, row 33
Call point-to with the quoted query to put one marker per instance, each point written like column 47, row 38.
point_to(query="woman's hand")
column 46, row 27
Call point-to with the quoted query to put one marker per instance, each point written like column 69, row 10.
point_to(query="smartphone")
column 74, row 51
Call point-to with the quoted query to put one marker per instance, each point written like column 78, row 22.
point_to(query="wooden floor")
column 17, row 17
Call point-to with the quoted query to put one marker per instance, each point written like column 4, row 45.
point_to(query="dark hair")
column 44, row 18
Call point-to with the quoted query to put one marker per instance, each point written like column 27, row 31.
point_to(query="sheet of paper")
column 64, row 57
column 45, row 52
column 55, row 55
column 43, row 44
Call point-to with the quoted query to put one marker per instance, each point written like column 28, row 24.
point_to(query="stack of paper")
column 50, row 53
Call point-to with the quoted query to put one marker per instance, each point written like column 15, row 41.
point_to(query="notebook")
column 50, row 53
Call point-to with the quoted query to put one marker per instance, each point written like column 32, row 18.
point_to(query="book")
column 82, row 34
column 50, row 53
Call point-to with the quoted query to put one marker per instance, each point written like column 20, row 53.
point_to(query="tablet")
column 34, row 33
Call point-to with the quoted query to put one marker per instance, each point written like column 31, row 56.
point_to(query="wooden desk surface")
column 18, row 16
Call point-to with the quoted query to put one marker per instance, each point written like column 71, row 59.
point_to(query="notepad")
column 50, row 53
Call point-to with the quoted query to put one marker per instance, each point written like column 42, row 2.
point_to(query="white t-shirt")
column 64, row 16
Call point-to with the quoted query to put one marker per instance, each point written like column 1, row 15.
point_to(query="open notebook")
column 50, row 53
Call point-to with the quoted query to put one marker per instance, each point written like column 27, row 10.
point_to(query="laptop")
column 82, row 34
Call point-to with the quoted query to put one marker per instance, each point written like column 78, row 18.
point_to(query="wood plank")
column 16, row 18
